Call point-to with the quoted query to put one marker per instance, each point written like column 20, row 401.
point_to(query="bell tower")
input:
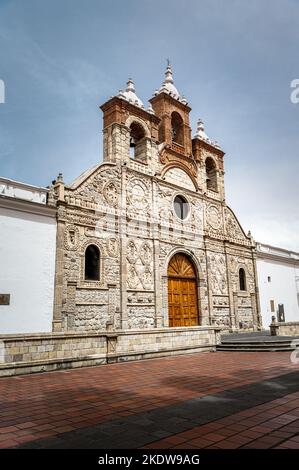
column 173, row 110
column 129, row 129
column 209, row 158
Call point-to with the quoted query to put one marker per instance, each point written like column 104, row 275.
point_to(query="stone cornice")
column 208, row 146
column 167, row 97
column 135, row 110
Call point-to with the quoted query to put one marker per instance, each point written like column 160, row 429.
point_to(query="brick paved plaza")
column 208, row 400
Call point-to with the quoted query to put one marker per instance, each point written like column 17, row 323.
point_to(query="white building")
column 278, row 278
column 27, row 258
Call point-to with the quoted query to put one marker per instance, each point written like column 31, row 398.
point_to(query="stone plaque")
column 4, row 299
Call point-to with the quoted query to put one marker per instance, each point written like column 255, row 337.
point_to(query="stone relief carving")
column 233, row 229
column 90, row 192
column 71, row 237
column 217, row 266
column 132, row 252
column 147, row 278
column 140, row 257
column 214, row 218
column 164, row 192
column 146, row 253
column 221, row 320
column 141, row 298
column 138, row 198
column 113, row 247
column 220, row 301
column 78, row 217
column 133, row 278
column 110, row 192
column 165, row 216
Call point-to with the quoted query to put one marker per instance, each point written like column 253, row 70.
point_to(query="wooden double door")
column 182, row 292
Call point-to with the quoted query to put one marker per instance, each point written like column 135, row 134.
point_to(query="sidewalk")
column 224, row 400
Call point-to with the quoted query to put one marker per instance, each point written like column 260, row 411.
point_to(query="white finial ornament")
column 130, row 94
column 201, row 134
column 130, row 85
column 168, row 85
column 168, row 73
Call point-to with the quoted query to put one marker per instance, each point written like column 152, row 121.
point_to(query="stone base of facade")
column 32, row 353
column 284, row 328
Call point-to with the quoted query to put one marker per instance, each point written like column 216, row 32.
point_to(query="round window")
column 181, row 207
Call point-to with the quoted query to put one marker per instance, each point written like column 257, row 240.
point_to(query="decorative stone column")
column 254, row 313
column 206, row 317
column 236, row 309
column 230, row 291
column 156, row 261
column 123, row 250
column 58, row 283
column 257, row 294
column 70, row 305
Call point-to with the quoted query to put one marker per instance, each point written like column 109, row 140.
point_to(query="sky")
column 233, row 60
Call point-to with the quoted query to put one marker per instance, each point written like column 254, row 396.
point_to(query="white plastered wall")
column 27, row 267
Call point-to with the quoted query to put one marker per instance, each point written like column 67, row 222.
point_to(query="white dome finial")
column 200, row 134
column 130, row 94
column 200, row 131
column 200, row 126
column 168, row 73
column 168, row 84
column 130, row 85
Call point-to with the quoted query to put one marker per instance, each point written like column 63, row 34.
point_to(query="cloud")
column 233, row 59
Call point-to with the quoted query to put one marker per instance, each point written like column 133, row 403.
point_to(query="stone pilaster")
column 230, row 292
column 156, row 267
column 207, row 318
column 123, row 251
column 236, row 309
column 58, row 290
column 257, row 294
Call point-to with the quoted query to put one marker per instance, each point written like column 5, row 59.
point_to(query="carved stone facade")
column 125, row 207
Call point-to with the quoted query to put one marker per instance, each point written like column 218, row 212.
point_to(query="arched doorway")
column 182, row 292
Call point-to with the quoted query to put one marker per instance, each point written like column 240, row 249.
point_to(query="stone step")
column 253, row 349
column 274, row 345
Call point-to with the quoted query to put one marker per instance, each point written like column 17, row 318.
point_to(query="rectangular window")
column 272, row 306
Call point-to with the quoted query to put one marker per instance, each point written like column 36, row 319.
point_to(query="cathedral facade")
column 145, row 239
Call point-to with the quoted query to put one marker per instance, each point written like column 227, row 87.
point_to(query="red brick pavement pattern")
column 271, row 425
column 44, row 405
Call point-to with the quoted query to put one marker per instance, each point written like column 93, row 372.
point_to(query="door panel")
column 182, row 292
